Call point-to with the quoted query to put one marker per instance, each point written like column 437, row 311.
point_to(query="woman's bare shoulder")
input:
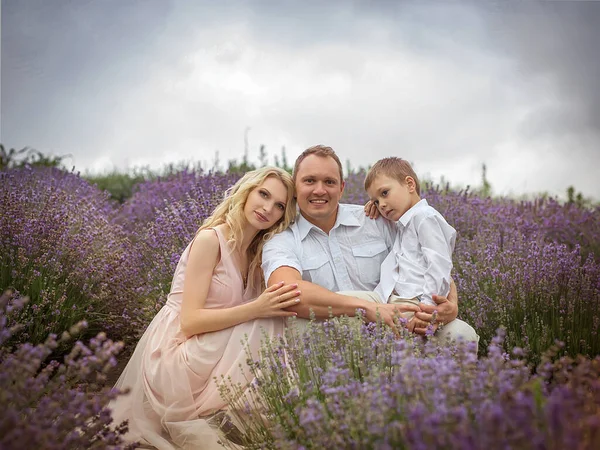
column 206, row 246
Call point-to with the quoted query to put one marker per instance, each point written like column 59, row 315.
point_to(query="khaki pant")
column 457, row 330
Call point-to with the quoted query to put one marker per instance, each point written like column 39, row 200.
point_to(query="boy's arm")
column 436, row 240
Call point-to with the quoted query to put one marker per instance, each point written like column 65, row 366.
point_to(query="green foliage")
column 486, row 187
column 241, row 167
column 27, row 156
column 119, row 185
column 577, row 198
column 245, row 165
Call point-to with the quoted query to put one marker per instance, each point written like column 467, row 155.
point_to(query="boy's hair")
column 392, row 167
column 319, row 150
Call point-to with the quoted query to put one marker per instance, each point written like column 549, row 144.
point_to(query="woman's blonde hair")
column 231, row 212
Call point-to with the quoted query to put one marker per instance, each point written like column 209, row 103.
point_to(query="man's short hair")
column 393, row 167
column 319, row 150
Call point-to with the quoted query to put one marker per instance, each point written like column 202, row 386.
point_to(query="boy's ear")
column 410, row 182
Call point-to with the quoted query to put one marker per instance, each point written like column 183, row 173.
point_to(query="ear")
column 343, row 185
column 410, row 182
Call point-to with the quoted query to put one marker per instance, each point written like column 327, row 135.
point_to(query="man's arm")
column 316, row 298
column 322, row 301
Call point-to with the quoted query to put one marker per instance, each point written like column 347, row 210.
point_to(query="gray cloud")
column 448, row 85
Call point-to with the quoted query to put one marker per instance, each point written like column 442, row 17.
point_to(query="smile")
column 261, row 217
column 318, row 201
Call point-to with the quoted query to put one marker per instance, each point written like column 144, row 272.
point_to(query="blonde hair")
column 392, row 167
column 231, row 212
column 319, row 150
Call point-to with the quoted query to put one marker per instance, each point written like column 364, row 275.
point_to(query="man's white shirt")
column 420, row 262
column 348, row 258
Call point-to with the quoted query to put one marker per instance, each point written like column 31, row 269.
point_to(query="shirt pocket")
column 317, row 269
column 368, row 257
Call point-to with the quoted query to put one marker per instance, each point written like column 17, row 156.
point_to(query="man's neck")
column 325, row 225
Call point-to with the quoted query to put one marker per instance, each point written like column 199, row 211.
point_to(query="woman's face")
column 266, row 204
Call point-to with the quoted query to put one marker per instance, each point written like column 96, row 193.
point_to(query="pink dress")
column 172, row 378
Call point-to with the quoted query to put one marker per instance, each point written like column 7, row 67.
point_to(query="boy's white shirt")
column 420, row 262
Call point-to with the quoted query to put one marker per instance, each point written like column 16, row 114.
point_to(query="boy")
column 420, row 262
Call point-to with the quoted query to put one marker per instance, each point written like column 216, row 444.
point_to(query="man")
column 337, row 247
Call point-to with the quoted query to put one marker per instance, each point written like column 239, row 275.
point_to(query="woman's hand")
column 371, row 210
column 273, row 301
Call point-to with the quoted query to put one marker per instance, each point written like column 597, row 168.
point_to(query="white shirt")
column 348, row 258
column 420, row 262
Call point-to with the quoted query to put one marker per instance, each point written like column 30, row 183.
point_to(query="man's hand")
column 446, row 312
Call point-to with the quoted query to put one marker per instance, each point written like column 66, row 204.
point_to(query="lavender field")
column 527, row 273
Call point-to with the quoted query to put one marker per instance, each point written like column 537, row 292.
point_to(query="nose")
column 319, row 189
column 267, row 207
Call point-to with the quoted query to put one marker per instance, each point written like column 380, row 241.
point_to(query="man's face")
column 319, row 189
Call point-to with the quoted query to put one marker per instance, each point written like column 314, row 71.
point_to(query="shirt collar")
column 411, row 212
column 344, row 217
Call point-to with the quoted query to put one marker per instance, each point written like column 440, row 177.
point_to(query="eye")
column 281, row 206
column 309, row 180
column 376, row 202
column 263, row 194
column 331, row 182
column 384, row 193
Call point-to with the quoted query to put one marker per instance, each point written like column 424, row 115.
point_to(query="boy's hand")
column 418, row 326
column 371, row 210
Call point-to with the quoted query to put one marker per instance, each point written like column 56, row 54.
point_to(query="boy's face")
column 391, row 197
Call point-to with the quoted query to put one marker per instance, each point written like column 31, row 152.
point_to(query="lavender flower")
column 59, row 248
column 52, row 405
column 411, row 393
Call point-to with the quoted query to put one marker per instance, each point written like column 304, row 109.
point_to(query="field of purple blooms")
column 531, row 267
column 334, row 387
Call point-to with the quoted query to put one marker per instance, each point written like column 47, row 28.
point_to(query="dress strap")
column 230, row 265
column 226, row 260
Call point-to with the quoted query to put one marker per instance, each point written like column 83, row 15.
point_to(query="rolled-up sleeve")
column 281, row 250
column 436, row 239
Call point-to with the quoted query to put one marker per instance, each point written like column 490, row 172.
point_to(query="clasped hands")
column 445, row 311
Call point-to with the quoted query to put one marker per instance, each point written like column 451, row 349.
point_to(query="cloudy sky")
column 447, row 85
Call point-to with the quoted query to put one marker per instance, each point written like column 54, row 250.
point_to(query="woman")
column 214, row 303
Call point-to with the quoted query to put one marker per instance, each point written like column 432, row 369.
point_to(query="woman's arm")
column 195, row 319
